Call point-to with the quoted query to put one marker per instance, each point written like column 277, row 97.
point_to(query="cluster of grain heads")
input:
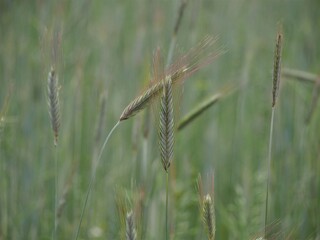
column 184, row 67
column 166, row 126
column 130, row 228
column 208, row 216
column 54, row 105
column 198, row 57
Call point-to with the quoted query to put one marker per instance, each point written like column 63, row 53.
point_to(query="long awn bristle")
column 166, row 128
column 177, row 72
column 209, row 217
column 130, row 229
column 277, row 68
column 54, row 105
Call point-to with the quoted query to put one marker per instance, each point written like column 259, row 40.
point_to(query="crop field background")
column 102, row 52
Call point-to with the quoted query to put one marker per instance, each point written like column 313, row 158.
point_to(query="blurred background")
column 102, row 52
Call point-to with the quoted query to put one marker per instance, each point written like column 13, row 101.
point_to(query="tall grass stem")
column 175, row 31
column 93, row 178
column 167, row 194
column 268, row 176
column 55, row 196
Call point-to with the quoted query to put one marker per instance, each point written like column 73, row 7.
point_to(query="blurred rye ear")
column 277, row 68
column 209, row 216
column 130, row 228
column 54, row 105
column 204, row 106
column 275, row 90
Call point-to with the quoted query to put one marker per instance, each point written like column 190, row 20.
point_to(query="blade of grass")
column 204, row 106
column 299, row 75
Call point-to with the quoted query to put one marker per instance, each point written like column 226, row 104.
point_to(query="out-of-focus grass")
column 108, row 45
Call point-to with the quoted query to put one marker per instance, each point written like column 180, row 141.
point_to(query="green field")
column 102, row 52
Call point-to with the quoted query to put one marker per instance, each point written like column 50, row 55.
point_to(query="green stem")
column 268, row 177
column 167, row 194
column 95, row 165
column 54, row 233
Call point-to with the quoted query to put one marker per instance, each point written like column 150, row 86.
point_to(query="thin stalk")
column 175, row 31
column 167, row 194
column 54, row 235
column 314, row 101
column 171, row 48
column 144, row 159
column 269, row 166
column 93, row 178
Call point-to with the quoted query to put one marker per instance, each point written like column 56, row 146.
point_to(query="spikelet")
column 183, row 68
column 209, row 217
column 277, row 68
column 130, row 229
column 53, row 102
column 166, row 127
column 141, row 102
